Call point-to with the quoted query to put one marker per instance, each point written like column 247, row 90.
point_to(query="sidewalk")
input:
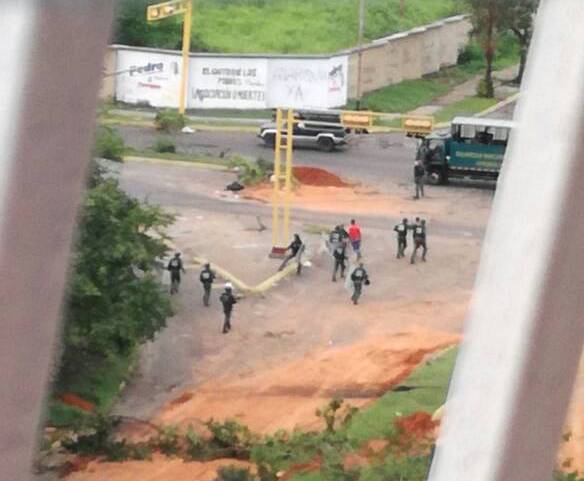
column 469, row 89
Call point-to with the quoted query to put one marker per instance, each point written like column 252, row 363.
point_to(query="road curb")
column 182, row 163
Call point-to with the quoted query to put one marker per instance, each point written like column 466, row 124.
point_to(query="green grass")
column 468, row 106
column 97, row 380
column 305, row 26
column 432, row 378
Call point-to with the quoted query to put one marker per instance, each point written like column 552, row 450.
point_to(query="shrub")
column 231, row 438
column 169, row 121
column 168, row 441
column 164, row 145
column 196, row 448
column 108, row 144
column 232, row 473
column 251, row 171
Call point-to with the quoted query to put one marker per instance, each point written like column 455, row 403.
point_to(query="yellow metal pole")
column 186, row 47
column 288, row 181
column 276, row 195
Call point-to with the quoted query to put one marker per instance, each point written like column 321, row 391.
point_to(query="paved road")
column 183, row 186
column 371, row 159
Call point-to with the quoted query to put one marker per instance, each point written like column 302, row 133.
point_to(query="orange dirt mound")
column 75, row 401
column 319, row 177
column 417, row 425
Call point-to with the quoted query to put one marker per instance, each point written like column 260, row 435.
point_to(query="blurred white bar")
column 524, row 334
column 52, row 56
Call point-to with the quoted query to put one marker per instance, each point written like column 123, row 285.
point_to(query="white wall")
column 307, row 83
column 235, row 83
column 145, row 76
column 148, row 77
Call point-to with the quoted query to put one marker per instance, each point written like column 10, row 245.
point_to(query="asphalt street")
column 371, row 159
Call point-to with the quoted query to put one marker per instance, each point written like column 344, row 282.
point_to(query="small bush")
column 470, row 53
column 168, row 441
column 169, row 121
column 232, row 473
column 230, row 438
column 164, row 145
column 251, row 171
column 108, row 144
column 196, row 447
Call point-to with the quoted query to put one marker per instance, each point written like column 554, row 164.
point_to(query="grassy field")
column 278, row 26
column 467, row 107
column 306, row 26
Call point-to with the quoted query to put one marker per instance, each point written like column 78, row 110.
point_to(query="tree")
column 487, row 18
column 519, row 20
column 116, row 300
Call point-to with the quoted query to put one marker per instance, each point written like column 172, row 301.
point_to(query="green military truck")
column 474, row 148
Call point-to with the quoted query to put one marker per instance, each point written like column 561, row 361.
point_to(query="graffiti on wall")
column 228, row 83
column 232, row 82
column 306, row 83
column 151, row 79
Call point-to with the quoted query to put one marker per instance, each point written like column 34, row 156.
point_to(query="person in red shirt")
column 355, row 236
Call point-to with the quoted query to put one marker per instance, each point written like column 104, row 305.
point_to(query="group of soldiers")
column 338, row 244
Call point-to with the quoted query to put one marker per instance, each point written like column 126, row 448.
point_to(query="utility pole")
column 360, row 47
column 169, row 9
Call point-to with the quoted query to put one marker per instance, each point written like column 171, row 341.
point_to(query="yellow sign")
column 418, row 125
column 166, row 9
column 357, row 119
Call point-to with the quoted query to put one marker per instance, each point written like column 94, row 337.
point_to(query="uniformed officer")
column 419, row 241
column 295, row 248
column 339, row 255
column 175, row 266
column 419, row 174
column 228, row 300
column 207, row 277
column 359, row 277
column 334, row 238
column 402, row 237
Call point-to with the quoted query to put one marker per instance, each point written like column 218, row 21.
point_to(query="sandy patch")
column 286, row 397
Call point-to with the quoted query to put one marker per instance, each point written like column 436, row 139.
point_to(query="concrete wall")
column 408, row 55
column 300, row 81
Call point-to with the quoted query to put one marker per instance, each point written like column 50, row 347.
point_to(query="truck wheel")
column 326, row 144
column 270, row 140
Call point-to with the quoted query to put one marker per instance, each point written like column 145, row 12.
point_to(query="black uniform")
column 419, row 173
column 402, row 238
column 175, row 266
column 294, row 248
column 419, row 241
column 340, row 257
column 228, row 300
column 207, row 277
column 359, row 277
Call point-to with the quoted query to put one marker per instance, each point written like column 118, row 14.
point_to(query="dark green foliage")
column 164, row 145
column 108, row 144
column 115, row 297
column 169, row 120
column 232, row 473
column 230, row 439
column 250, row 171
column 168, row 441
